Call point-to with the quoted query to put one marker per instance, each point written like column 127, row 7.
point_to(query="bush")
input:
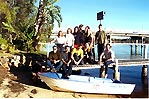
column 3, row 43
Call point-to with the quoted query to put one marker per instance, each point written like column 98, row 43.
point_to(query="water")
column 130, row 74
column 122, row 51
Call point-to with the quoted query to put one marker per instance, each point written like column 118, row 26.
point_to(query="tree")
column 7, row 16
column 23, row 24
column 20, row 17
column 48, row 13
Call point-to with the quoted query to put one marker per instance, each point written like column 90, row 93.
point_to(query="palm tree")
column 48, row 13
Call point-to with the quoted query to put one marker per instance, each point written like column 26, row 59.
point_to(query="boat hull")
column 85, row 84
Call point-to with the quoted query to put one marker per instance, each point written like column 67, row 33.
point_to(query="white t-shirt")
column 69, row 39
column 60, row 40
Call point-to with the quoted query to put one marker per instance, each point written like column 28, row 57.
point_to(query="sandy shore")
column 13, row 89
column 18, row 82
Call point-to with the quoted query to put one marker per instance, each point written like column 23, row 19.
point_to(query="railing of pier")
column 115, row 67
column 121, row 62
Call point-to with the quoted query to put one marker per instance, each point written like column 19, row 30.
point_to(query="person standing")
column 100, row 38
column 88, row 36
column 79, row 36
column 69, row 39
column 90, row 39
column 82, row 34
column 60, row 41
column 81, row 30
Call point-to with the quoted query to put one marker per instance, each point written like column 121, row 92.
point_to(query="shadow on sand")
column 25, row 73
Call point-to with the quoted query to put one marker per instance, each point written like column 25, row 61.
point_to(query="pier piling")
column 102, row 72
column 145, row 51
column 116, row 74
column 144, row 71
column 136, row 47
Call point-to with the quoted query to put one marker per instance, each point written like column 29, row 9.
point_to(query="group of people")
column 77, row 48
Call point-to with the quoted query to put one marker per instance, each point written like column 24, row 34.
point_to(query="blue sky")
column 120, row 14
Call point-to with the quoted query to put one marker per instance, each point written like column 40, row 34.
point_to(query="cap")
column 80, row 25
column 54, row 46
column 66, row 46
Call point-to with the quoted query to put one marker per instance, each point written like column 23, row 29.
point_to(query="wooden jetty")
column 115, row 66
column 121, row 62
column 135, row 38
column 129, row 34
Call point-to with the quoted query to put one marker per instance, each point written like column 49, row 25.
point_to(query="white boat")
column 85, row 84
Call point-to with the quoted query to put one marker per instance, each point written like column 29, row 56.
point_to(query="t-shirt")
column 66, row 56
column 109, row 54
column 69, row 39
column 101, row 37
column 55, row 56
column 79, row 52
column 60, row 40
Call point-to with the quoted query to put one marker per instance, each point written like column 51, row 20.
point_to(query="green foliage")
column 8, row 27
column 17, row 20
column 3, row 43
column 20, row 21
column 50, row 15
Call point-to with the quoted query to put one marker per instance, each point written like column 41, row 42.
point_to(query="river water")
column 130, row 74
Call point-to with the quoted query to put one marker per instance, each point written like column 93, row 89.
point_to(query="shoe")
column 65, row 77
column 53, row 70
column 87, row 63
column 106, row 75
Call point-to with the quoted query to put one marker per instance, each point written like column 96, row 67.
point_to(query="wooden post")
column 144, row 71
column 116, row 74
column 102, row 72
column 100, row 21
column 136, row 47
column 130, row 49
column 141, row 49
column 145, row 51
column 141, row 46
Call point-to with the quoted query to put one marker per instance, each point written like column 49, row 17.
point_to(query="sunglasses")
column 54, row 48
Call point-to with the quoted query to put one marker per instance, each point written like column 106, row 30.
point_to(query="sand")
column 20, row 84
column 13, row 89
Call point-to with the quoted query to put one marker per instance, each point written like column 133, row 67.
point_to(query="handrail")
column 121, row 62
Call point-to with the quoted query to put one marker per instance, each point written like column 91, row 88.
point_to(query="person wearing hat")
column 81, row 34
column 77, row 55
column 78, row 36
column 80, row 26
column 107, row 57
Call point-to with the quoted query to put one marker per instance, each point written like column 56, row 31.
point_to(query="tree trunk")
column 38, row 23
column 39, row 18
